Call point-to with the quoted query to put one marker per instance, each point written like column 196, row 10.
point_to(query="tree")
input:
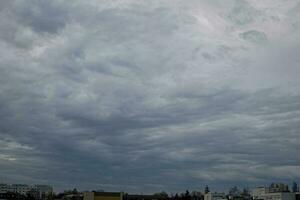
column 50, row 196
column 194, row 195
column 162, row 195
column 295, row 187
column 246, row 192
column 206, row 190
column 29, row 196
column 234, row 191
column 187, row 195
column 74, row 191
column 176, row 197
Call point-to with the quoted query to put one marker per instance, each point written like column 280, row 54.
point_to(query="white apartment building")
column 17, row 188
column 41, row 191
column 258, row 192
column 279, row 196
column 214, row 196
column 20, row 188
column 267, row 193
column 38, row 190
column 4, row 188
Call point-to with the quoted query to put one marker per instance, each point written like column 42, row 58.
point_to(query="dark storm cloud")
column 149, row 96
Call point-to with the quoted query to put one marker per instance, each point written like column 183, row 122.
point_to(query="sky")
column 145, row 96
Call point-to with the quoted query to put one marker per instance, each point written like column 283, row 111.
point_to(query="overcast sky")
column 145, row 96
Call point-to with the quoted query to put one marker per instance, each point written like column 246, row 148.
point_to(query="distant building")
column 276, row 191
column 9, row 195
column 214, row 196
column 15, row 188
column 41, row 191
column 73, row 196
column 103, row 196
column 278, row 187
column 234, row 191
column 38, row 191
column 20, row 188
column 4, row 188
column 279, row 196
column 258, row 192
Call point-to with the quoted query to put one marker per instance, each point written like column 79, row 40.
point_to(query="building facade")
column 214, row 196
column 258, row 192
column 38, row 191
column 297, row 195
column 43, row 189
column 20, row 188
column 15, row 188
column 279, row 196
column 4, row 188
column 278, row 187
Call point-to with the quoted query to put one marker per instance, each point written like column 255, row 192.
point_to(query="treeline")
column 181, row 196
column 165, row 196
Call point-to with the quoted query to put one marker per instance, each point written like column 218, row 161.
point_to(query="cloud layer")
column 149, row 96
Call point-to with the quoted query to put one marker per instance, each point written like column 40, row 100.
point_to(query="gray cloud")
column 149, row 96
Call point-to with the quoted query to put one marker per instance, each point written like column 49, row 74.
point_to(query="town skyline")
column 17, row 187
column 275, row 191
